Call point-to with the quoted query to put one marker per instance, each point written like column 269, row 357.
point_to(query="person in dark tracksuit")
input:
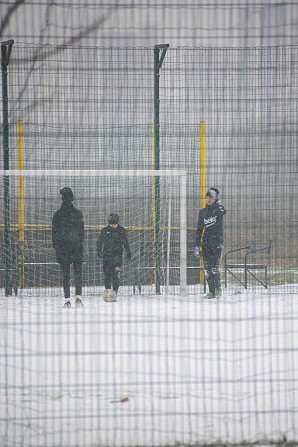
column 67, row 239
column 211, row 220
column 110, row 244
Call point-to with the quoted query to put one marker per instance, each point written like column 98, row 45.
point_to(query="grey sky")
column 147, row 22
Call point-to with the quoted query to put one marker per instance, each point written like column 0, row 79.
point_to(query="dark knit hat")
column 114, row 218
column 67, row 194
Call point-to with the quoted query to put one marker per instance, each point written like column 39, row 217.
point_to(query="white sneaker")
column 79, row 302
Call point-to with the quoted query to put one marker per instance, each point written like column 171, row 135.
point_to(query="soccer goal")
column 151, row 205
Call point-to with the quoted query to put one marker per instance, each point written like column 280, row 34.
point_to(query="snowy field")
column 148, row 370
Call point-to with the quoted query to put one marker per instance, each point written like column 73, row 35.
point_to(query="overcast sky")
column 148, row 22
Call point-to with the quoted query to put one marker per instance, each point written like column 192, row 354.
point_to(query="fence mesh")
column 86, row 108
column 150, row 369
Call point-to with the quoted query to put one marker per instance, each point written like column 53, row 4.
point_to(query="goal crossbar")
column 93, row 173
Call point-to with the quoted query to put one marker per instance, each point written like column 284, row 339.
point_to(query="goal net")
column 151, row 207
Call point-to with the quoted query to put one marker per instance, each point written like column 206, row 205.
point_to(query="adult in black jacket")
column 211, row 220
column 67, row 239
column 110, row 244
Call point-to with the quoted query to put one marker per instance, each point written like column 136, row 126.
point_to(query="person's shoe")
column 218, row 293
column 209, row 295
column 79, row 302
column 67, row 304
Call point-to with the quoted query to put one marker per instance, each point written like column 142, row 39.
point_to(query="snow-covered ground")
column 148, row 370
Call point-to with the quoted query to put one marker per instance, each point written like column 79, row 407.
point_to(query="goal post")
column 97, row 193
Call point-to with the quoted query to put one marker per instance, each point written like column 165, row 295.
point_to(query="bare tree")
column 6, row 19
column 73, row 40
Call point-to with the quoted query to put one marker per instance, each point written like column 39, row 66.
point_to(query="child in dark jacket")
column 211, row 219
column 110, row 244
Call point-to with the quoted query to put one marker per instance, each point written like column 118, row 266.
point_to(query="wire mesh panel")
column 156, row 367
column 93, row 108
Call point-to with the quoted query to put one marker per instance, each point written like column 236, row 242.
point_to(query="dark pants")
column 111, row 270
column 212, row 258
column 65, row 269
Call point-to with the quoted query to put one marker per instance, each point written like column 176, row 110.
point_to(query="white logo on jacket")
column 211, row 221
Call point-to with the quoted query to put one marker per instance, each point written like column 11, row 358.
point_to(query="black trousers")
column 111, row 270
column 212, row 257
column 78, row 274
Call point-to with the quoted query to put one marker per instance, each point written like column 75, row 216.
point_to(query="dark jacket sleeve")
column 125, row 242
column 81, row 227
column 222, row 209
column 55, row 230
column 200, row 228
column 100, row 242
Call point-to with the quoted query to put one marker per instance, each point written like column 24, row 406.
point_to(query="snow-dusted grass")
column 148, row 370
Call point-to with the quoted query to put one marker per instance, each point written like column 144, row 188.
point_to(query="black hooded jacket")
column 68, row 234
column 211, row 218
column 111, row 242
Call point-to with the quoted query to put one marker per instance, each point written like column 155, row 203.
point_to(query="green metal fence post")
column 158, row 61
column 6, row 48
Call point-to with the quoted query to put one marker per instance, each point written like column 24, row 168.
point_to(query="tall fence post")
column 6, row 48
column 203, row 181
column 21, row 209
column 158, row 61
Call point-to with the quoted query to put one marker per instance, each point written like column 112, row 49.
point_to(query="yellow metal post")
column 21, row 209
column 203, row 178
